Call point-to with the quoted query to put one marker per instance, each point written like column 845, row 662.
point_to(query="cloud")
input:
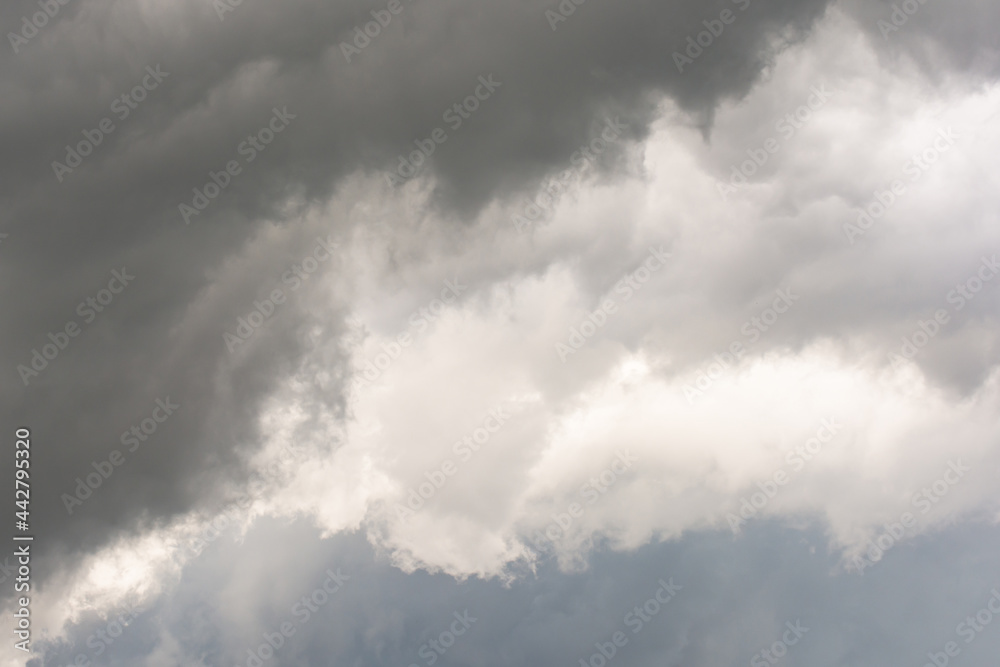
column 818, row 199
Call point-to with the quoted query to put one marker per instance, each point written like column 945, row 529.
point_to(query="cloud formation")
column 499, row 301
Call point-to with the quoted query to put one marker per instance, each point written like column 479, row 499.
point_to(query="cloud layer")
column 685, row 282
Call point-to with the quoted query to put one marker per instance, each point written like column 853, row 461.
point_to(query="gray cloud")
column 120, row 207
column 197, row 276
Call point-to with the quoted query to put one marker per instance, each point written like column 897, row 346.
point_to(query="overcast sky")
column 457, row 332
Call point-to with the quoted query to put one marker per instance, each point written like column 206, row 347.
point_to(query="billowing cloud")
column 499, row 300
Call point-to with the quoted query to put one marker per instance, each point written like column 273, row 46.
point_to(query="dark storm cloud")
column 217, row 83
column 732, row 599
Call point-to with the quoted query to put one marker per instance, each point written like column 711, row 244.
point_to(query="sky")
column 455, row 332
